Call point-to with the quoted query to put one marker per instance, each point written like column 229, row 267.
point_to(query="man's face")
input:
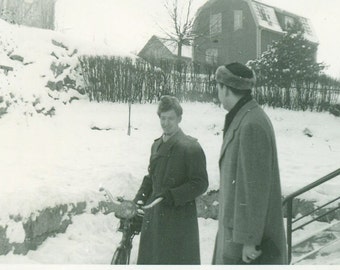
column 169, row 122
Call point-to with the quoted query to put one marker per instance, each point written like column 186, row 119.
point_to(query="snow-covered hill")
column 52, row 159
column 42, row 61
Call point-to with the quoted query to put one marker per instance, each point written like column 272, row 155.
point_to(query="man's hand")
column 140, row 211
column 250, row 253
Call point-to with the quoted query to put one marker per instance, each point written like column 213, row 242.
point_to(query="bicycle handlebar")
column 125, row 208
column 152, row 204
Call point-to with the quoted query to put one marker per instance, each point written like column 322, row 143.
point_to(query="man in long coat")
column 250, row 228
column 177, row 173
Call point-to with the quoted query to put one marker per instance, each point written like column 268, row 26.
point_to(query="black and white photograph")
column 169, row 132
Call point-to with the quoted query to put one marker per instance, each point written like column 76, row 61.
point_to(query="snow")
column 61, row 159
column 15, row 232
column 46, row 161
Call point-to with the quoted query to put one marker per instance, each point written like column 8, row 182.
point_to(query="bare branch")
column 181, row 23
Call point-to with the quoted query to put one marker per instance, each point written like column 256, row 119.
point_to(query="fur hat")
column 236, row 75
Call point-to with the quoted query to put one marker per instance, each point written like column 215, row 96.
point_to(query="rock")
column 5, row 247
column 17, row 57
column 75, row 51
column 55, row 86
column 3, row 109
column 41, row 225
column 73, row 98
column 307, row 132
column 69, row 82
column 59, row 85
column 54, row 54
column 99, row 128
column 51, row 85
column 59, row 44
column 335, row 109
column 50, row 112
column 58, row 68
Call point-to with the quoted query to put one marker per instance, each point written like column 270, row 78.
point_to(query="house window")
column 211, row 56
column 238, row 19
column 289, row 22
column 264, row 14
column 215, row 23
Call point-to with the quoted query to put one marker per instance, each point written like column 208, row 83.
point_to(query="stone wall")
column 39, row 226
column 53, row 220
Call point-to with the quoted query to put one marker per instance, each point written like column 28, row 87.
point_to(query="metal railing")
column 289, row 201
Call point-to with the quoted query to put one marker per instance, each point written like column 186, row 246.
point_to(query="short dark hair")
column 168, row 103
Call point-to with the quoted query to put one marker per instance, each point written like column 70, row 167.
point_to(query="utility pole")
column 129, row 122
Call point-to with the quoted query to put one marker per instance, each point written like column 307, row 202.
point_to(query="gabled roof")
column 266, row 17
column 172, row 47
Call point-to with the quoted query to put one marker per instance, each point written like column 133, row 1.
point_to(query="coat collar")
column 228, row 137
column 168, row 144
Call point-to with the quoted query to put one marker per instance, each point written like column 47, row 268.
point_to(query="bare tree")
column 182, row 20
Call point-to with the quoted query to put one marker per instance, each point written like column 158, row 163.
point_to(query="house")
column 241, row 30
column 35, row 13
column 158, row 49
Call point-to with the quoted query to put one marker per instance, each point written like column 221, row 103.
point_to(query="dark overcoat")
column 250, row 210
column 169, row 233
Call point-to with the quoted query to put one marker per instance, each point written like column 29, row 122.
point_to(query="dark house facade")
column 158, row 49
column 241, row 30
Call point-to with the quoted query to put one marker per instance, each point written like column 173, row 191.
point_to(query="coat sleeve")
column 144, row 190
column 197, row 176
column 253, row 184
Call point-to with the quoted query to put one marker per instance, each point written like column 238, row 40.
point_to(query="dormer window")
column 289, row 22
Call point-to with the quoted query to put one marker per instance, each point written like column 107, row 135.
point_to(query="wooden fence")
column 118, row 79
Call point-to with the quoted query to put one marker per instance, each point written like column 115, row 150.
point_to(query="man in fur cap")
column 250, row 228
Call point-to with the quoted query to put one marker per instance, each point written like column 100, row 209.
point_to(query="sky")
column 128, row 24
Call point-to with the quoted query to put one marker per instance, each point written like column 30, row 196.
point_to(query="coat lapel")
column 228, row 137
column 165, row 149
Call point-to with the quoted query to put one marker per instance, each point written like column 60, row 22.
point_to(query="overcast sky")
column 128, row 24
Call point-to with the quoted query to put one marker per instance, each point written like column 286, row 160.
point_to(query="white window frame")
column 289, row 21
column 211, row 56
column 215, row 23
column 264, row 15
column 238, row 19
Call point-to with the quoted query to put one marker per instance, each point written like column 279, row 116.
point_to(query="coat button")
column 233, row 182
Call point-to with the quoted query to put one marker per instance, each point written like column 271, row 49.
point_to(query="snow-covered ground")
column 46, row 161
column 62, row 159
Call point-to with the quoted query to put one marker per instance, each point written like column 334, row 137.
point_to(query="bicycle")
column 131, row 217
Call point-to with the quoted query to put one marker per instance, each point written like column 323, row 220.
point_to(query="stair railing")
column 289, row 201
